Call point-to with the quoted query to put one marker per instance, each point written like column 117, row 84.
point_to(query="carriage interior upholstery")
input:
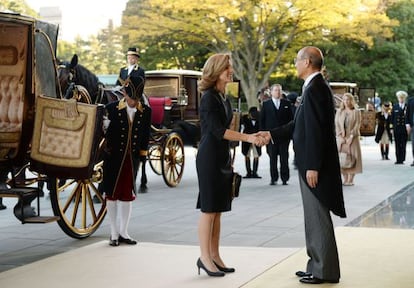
column 13, row 61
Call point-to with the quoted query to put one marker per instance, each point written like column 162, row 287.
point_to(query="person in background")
column 313, row 130
column 399, row 126
column 251, row 125
column 132, row 69
column 409, row 123
column 264, row 94
column 213, row 160
column 275, row 113
column 383, row 135
column 347, row 124
column 127, row 132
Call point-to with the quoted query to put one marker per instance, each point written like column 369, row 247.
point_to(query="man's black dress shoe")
column 284, row 183
column 303, row 274
column 314, row 280
column 113, row 242
column 272, row 183
column 128, row 241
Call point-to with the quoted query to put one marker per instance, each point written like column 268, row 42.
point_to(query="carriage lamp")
column 182, row 98
column 182, row 101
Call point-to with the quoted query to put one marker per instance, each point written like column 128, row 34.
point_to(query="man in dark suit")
column 275, row 113
column 318, row 166
column 399, row 128
column 409, row 120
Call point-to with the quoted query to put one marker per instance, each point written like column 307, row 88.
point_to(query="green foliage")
column 263, row 36
column 101, row 54
column 387, row 65
column 364, row 41
column 17, row 6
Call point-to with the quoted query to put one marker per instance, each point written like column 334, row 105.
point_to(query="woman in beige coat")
column 347, row 124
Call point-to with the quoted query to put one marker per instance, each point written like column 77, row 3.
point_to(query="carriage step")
column 41, row 219
column 19, row 192
column 23, row 209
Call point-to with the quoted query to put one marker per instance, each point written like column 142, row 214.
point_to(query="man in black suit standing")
column 409, row 120
column 276, row 113
column 318, row 166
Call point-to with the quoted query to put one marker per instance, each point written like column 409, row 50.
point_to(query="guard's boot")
column 387, row 150
column 248, row 168
column 255, row 166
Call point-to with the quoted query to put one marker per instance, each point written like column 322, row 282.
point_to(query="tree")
column 17, row 6
column 258, row 33
column 387, row 65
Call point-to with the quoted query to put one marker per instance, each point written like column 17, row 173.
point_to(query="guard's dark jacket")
column 137, row 72
column 250, row 128
column 384, row 126
column 314, row 142
column 122, row 137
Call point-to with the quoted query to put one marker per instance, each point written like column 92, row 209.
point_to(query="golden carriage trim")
column 63, row 132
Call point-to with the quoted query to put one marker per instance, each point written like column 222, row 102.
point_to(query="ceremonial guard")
column 399, row 128
column 383, row 135
column 134, row 71
column 251, row 125
column 127, row 126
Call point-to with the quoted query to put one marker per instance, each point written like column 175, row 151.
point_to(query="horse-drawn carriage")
column 44, row 139
column 362, row 96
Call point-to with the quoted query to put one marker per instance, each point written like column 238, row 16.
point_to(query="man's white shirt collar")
column 310, row 77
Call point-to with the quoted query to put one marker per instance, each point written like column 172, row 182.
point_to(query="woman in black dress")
column 213, row 160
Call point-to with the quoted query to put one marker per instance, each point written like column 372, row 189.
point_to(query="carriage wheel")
column 154, row 157
column 73, row 201
column 173, row 160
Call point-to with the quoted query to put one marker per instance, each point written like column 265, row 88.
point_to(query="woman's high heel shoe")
column 209, row 273
column 224, row 269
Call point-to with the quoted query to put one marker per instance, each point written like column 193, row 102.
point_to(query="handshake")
column 260, row 138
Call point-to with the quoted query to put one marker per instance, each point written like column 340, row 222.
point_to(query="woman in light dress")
column 347, row 124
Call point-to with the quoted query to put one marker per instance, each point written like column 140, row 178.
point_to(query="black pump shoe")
column 209, row 273
column 128, row 241
column 224, row 269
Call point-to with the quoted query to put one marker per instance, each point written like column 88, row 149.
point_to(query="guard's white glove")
column 106, row 123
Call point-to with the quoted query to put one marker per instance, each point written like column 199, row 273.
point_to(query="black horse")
column 72, row 75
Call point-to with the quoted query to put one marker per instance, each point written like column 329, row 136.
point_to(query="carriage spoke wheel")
column 172, row 160
column 73, row 201
column 154, row 157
